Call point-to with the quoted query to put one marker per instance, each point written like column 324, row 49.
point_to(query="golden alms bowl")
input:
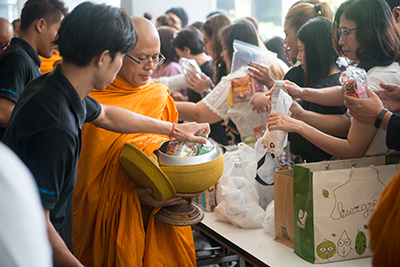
column 191, row 174
column 174, row 179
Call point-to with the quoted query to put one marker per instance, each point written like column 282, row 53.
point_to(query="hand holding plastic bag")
column 354, row 79
column 275, row 141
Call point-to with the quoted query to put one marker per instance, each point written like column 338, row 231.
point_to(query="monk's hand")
column 195, row 83
column 260, row 72
column 147, row 199
column 189, row 132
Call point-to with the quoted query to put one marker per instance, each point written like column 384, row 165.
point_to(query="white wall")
column 197, row 9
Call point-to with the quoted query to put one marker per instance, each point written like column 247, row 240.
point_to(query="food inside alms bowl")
column 177, row 169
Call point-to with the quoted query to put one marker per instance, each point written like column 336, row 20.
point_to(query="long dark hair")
column 320, row 56
column 212, row 28
column 241, row 30
column 376, row 32
column 191, row 38
column 167, row 49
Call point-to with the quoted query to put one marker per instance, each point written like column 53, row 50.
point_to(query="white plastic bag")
column 269, row 221
column 276, row 140
column 237, row 196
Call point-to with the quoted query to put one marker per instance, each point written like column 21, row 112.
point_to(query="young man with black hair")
column 45, row 126
column 19, row 64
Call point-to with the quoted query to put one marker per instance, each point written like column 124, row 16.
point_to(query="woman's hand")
column 282, row 122
column 195, row 83
column 260, row 102
column 147, row 199
column 293, row 89
column 297, row 110
column 260, row 72
column 178, row 96
column 364, row 110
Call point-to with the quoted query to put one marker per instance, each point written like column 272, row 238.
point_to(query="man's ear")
column 101, row 58
column 40, row 25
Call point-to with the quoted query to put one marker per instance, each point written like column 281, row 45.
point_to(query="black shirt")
column 393, row 132
column 19, row 64
column 296, row 75
column 45, row 132
column 301, row 146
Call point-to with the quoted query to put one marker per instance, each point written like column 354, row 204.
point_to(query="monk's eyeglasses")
column 343, row 32
column 2, row 46
column 158, row 61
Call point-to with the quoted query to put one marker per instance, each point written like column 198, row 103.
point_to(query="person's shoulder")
column 331, row 80
column 394, row 67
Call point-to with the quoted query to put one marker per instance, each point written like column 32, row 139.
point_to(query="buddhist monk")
column 113, row 218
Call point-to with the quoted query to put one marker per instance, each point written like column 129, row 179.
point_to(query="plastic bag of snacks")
column 353, row 78
column 188, row 149
column 243, row 88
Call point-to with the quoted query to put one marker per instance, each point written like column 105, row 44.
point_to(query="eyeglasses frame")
column 343, row 32
column 146, row 61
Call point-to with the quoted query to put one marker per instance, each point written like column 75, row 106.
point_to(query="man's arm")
column 61, row 255
column 124, row 121
column 6, row 108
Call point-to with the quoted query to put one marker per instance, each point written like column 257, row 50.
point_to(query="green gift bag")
column 332, row 203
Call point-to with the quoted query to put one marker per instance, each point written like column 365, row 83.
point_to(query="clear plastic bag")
column 353, row 78
column 190, row 65
column 276, row 141
column 244, row 87
column 250, row 124
column 245, row 53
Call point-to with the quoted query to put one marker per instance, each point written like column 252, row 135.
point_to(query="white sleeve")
column 174, row 83
column 217, row 99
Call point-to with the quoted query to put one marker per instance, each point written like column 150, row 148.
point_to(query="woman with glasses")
column 364, row 31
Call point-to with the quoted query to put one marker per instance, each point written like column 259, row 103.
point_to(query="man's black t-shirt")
column 45, row 132
column 301, row 146
column 19, row 64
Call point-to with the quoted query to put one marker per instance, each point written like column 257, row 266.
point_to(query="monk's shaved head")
column 145, row 29
column 137, row 67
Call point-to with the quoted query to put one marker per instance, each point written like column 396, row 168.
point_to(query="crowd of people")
column 76, row 86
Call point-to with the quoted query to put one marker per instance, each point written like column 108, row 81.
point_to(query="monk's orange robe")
column 49, row 64
column 108, row 229
column 384, row 225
